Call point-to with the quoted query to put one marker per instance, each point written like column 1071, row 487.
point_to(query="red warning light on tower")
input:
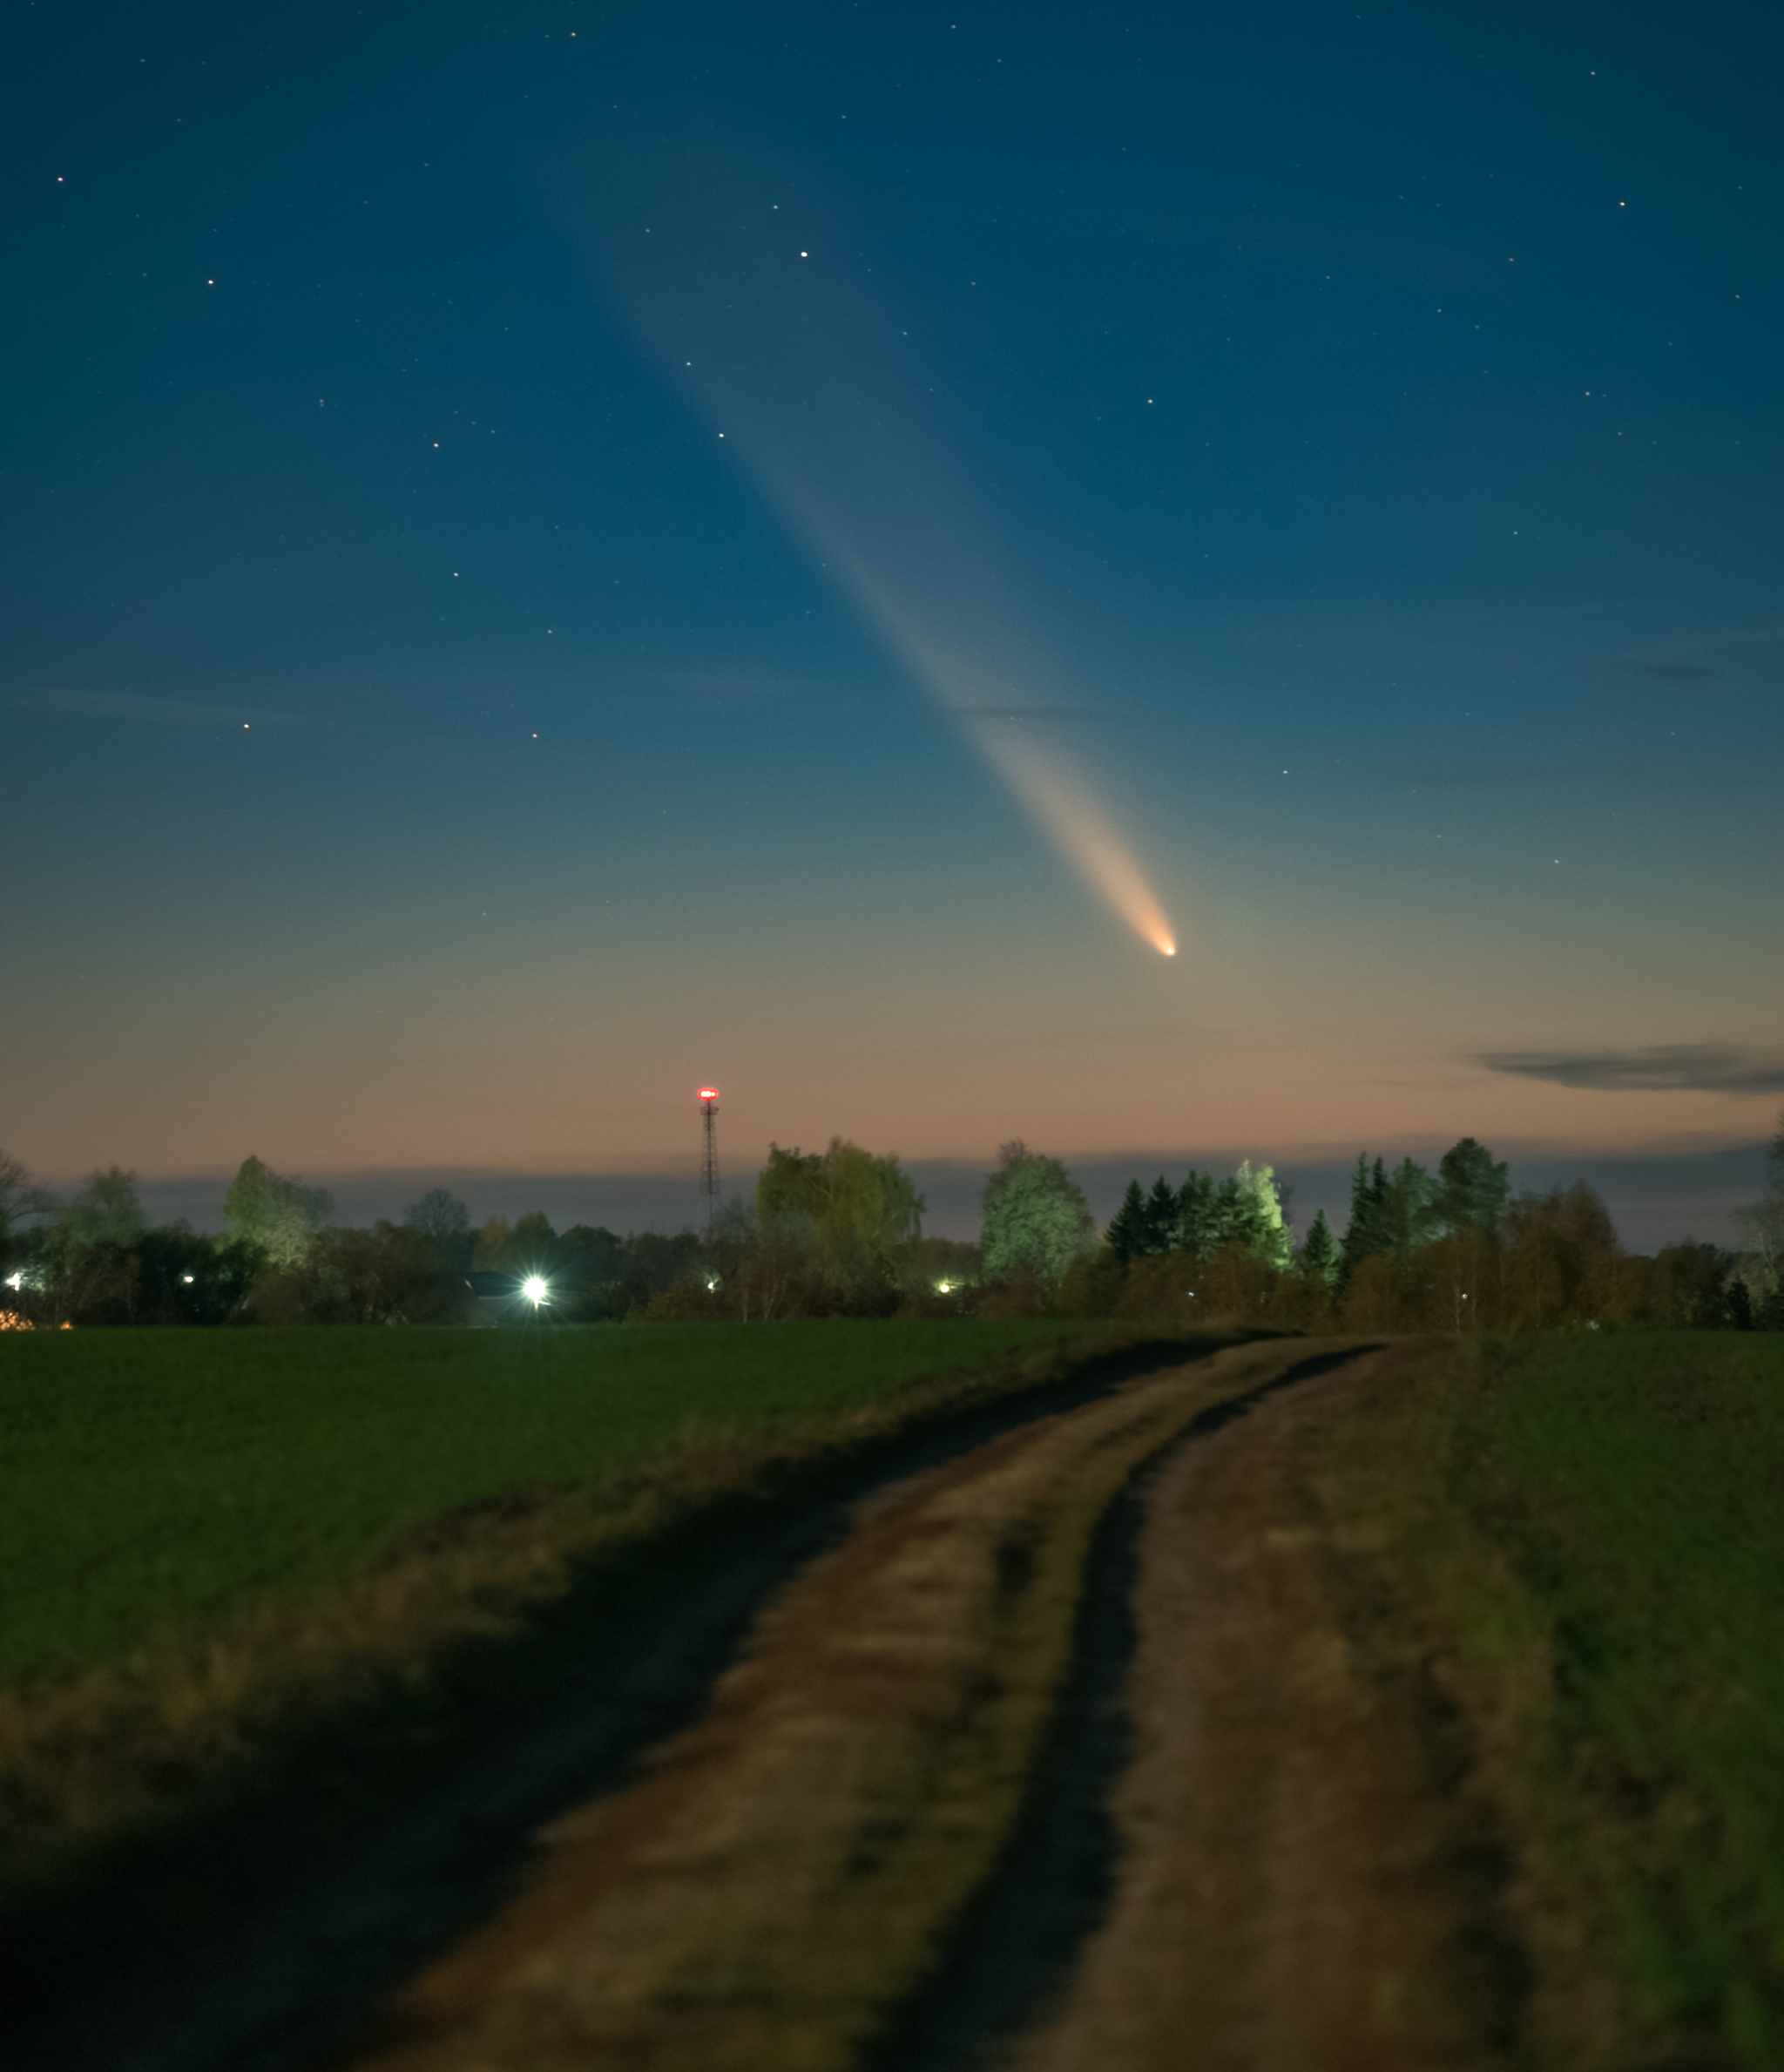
column 709, row 1093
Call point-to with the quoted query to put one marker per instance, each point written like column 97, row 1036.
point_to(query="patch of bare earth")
column 1301, row 1889
column 1292, row 1884
column 784, row 1873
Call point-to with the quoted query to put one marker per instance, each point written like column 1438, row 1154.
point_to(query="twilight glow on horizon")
column 1192, row 585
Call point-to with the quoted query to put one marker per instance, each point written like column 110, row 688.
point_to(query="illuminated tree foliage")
column 280, row 1216
column 1036, row 1220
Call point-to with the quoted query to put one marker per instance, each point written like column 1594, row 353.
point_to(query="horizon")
column 1655, row 1199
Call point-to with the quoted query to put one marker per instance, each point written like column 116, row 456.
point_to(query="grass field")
column 156, row 1481
column 1587, row 1536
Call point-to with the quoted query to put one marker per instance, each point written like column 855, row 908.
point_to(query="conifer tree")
column 1472, row 1187
column 1319, row 1256
column 1161, row 1218
column 1265, row 1220
column 1408, row 1211
column 1198, row 1222
column 1127, row 1228
column 1367, row 1232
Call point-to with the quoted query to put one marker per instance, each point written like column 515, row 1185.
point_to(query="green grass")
column 157, row 1482
column 1578, row 1541
column 1636, row 1482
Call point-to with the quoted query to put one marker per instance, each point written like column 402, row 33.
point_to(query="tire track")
column 779, row 1875
column 1013, row 1953
column 118, row 1980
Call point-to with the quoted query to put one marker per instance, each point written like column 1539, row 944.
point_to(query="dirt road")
column 1064, row 1758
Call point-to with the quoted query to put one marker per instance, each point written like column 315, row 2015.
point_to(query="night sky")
column 551, row 554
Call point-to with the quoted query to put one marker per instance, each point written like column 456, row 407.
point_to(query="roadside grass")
column 238, row 1561
column 1581, row 1539
column 154, row 1482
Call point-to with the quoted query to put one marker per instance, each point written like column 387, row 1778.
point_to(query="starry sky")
column 551, row 554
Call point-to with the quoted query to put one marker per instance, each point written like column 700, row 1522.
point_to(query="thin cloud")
column 1662, row 1068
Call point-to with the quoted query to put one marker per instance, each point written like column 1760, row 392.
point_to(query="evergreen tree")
column 1265, row 1216
column 1409, row 1211
column 1739, row 1306
column 1127, row 1228
column 1198, row 1221
column 1320, row 1257
column 1230, row 1220
column 1472, row 1188
column 1367, row 1233
column 1161, row 1218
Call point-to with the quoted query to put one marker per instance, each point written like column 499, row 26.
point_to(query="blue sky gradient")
column 1345, row 442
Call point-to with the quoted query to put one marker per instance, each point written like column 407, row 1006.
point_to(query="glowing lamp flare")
column 534, row 1290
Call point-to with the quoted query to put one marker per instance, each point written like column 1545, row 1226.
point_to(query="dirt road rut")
column 1061, row 1760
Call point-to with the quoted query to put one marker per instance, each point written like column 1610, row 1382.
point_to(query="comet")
column 794, row 356
column 1082, row 833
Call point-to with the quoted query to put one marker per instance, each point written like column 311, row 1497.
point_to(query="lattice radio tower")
column 709, row 1157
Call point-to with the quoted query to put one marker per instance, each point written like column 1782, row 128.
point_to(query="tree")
column 1367, row 1232
column 1562, row 1258
column 532, row 1246
column 655, row 1263
column 591, row 1264
column 1161, row 1219
column 1127, row 1226
column 1471, row 1188
column 840, row 1223
column 21, row 1201
column 106, row 1212
column 1320, row 1257
column 1408, row 1212
column 1265, row 1217
column 93, row 1272
column 1688, row 1288
column 1037, row 1220
column 186, row 1279
column 1198, row 1215
column 489, row 1253
column 854, row 1199
column 280, row 1216
column 1146, row 1226
column 439, row 1214
column 1762, row 1228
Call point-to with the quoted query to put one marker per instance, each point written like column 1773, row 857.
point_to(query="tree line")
column 840, row 1233
column 1454, row 1251
column 283, row 1257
